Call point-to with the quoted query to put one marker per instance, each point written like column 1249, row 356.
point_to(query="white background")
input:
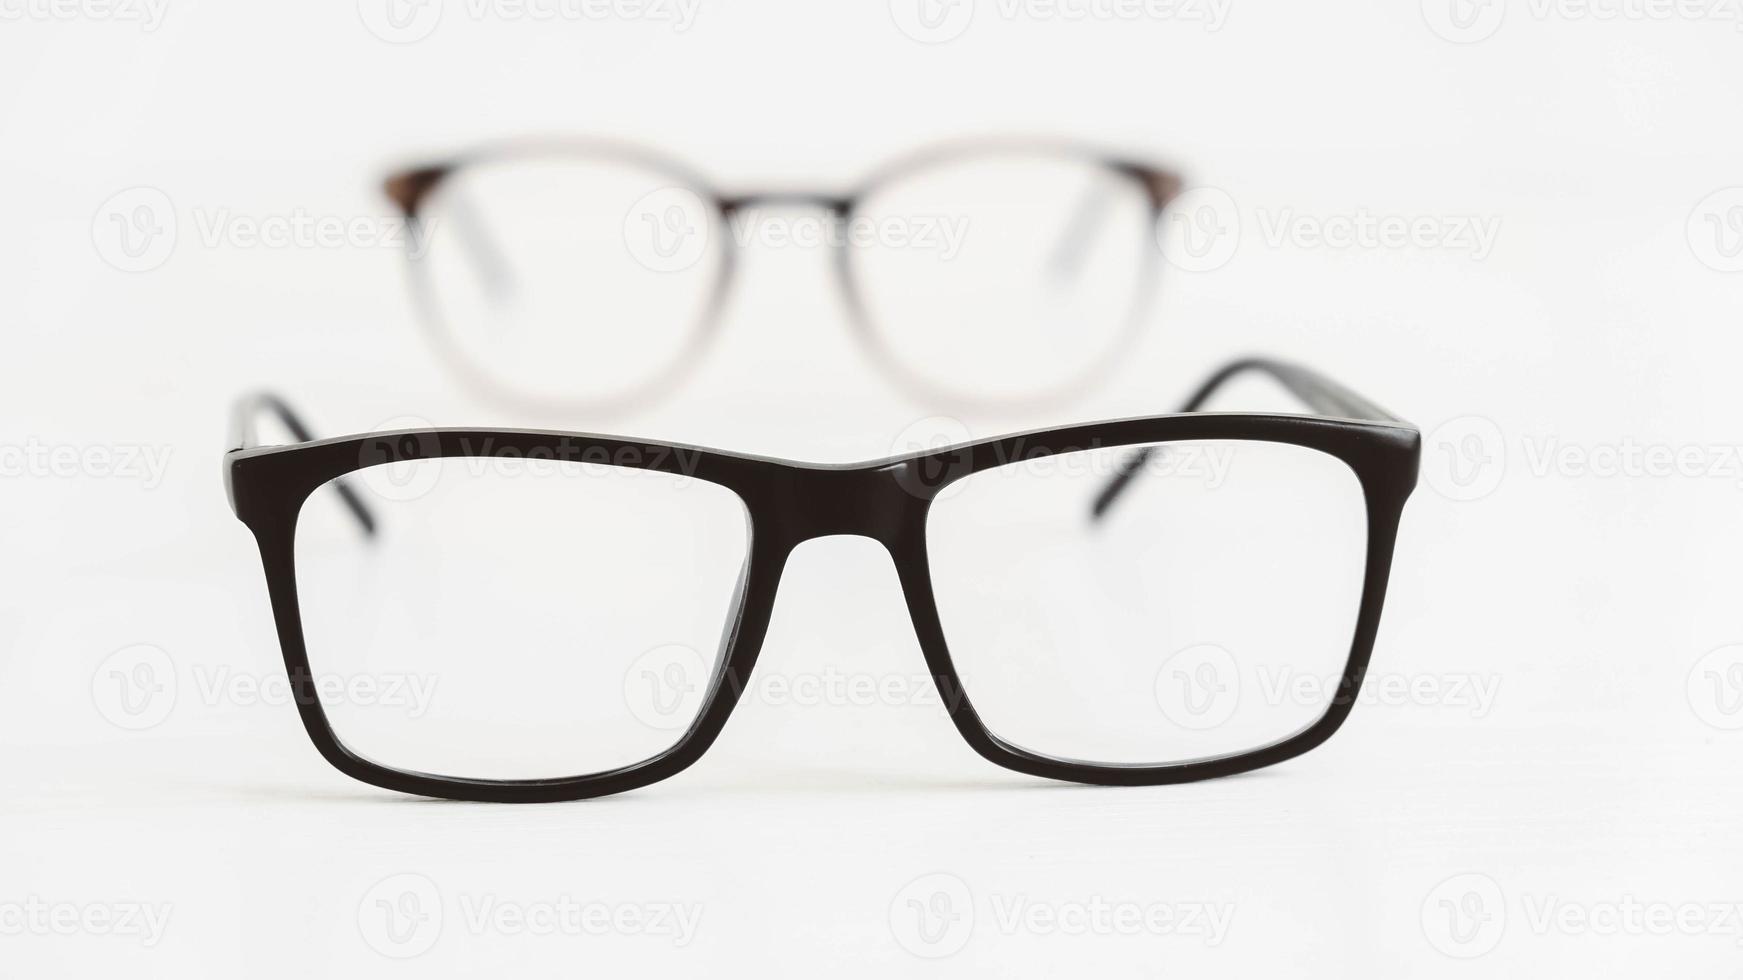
column 1604, row 773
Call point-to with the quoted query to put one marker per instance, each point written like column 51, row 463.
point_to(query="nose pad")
column 840, row 675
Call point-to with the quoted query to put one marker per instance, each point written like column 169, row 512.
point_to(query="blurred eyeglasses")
column 586, row 275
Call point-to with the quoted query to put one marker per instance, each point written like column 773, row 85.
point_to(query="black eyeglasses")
column 524, row 257
column 536, row 616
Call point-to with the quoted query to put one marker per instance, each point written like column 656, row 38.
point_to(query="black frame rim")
column 791, row 502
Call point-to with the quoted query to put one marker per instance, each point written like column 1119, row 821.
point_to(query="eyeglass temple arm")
column 245, row 417
column 1318, row 392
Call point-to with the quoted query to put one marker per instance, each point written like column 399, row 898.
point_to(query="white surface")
column 1585, row 603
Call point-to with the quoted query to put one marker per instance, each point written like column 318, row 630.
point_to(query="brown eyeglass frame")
column 411, row 189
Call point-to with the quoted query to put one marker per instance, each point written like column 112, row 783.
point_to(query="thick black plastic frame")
column 791, row 502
